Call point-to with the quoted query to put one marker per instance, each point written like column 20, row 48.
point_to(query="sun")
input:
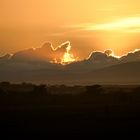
column 67, row 57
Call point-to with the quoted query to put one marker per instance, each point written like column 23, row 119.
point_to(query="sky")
column 89, row 25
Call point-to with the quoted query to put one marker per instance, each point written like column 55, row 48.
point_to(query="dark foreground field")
column 70, row 112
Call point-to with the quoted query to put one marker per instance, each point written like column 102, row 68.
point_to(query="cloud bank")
column 98, row 60
column 125, row 25
column 108, row 57
column 47, row 53
column 38, row 65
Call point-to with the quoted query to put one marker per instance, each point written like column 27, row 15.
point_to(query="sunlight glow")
column 68, row 57
column 131, row 24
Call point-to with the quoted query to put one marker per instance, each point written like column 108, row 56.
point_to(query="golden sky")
column 87, row 24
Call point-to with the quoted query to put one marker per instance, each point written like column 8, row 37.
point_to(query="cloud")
column 96, row 60
column 103, row 57
column 99, row 59
column 45, row 53
column 97, row 56
column 48, row 54
column 5, row 58
column 108, row 57
column 109, row 52
column 131, row 56
column 124, row 25
column 61, row 50
column 25, row 55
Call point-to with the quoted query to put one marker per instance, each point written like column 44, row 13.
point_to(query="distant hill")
column 124, row 73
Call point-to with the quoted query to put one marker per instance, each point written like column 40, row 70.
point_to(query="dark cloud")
column 48, row 53
column 131, row 56
column 45, row 53
column 25, row 55
column 5, row 58
column 108, row 57
column 96, row 60
column 108, row 52
column 103, row 57
column 97, row 57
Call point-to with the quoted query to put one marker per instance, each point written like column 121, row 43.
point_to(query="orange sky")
column 87, row 24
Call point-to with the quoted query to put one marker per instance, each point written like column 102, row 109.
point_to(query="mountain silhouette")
column 124, row 73
column 121, row 73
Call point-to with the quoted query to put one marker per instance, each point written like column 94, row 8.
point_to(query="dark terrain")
column 69, row 112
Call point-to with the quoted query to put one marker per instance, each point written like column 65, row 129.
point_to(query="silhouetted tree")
column 40, row 90
column 96, row 89
column 136, row 90
column 2, row 92
column 5, row 84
